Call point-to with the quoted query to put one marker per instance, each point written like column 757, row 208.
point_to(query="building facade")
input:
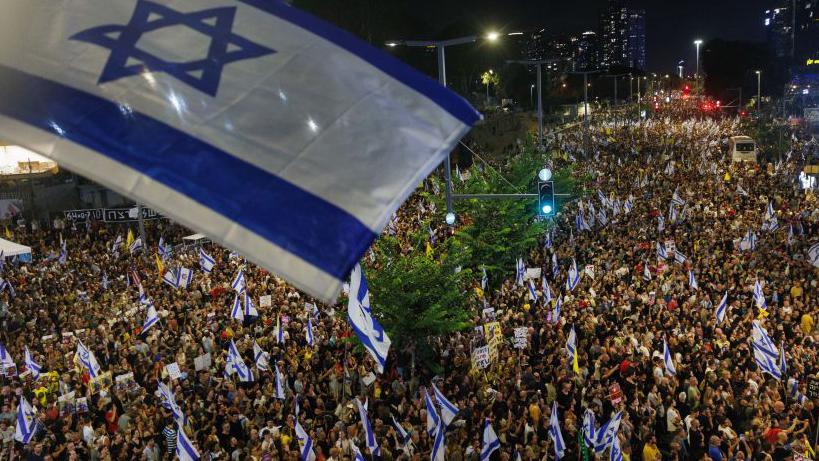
column 623, row 36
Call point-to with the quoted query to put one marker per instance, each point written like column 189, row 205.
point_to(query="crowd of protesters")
column 719, row 404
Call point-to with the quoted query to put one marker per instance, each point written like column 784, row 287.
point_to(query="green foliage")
column 416, row 297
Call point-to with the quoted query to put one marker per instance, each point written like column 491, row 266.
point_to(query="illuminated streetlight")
column 450, row 218
column 545, row 174
column 697, row 43
column 392, row 44
column 492, row 36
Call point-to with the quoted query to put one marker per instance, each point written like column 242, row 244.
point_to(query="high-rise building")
column 623, row 36
column 585, row 50
column 792, row 29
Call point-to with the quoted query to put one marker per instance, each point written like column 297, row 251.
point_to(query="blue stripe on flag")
column 440, row 95
column 277, row 210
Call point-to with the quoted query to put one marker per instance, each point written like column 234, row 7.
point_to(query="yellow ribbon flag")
column 8, row 232
column 130, row 239
column 575, row 365
column 159, row 266
column 762, row 314
column 429, row 250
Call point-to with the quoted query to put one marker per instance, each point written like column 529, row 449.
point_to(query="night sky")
column 671, row 26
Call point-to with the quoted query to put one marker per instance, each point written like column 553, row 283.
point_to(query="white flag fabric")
column 206, row 262
column 151, row 318
column 813, row 255
column 185, row 450
column 722, row 308
column 88, row 360
column 433, row 420
column 183, row 277
column 32, row 366
column 5, row 359
column 169, row 402
column 555, row 433
column 448, row 409
column 306, row 452
column 369, row 435
column 281, row 136
column 368, row 330
column 237, row 312
column 26, row 422
column 669, row 363
column 279, row 384
column 261, row 357
column 490, row 441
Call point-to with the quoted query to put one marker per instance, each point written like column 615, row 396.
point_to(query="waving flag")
column 334, row 150
column 235, row 364
column 239, row 284
column 357, row 456
column 646, row 272
column 770, row 213
column 722, row 309
column 279, row 330
column 136, row 246
column 261, row 357
column 484, row 279
column 183, row 277
column 170, row 278
column 433, row 420
column 279, row 384
column 547, row 292
column 669, row 363
column 765, row 362
column 448, row 409
column 368, row 330
column 26, row 422
column 555, row 266
column 607, row 433
column 31, row 366
column 369, row 435
column 615, row 454
column 490, row 441
column 403, row 436
column 588, row 428
column 556, row 311
column 439, row 445
column 532, row 291
column 87, row 359
column 309, row 331
column 661, row 252
column 676, row 200
column 306, row 452
column 813, row 254
column 679, row 258
column 250, row 308
column 185, row 450
column 741, row 191
column 571, row 346
column 63, row 253
column 151, row 318
column 759, row 296
column 169, row 402
column 692, row 282
column 6, row 361
column 748, row 242
column 206, row 262
column 164, row 250
column 237, row 312
column 520, row 271
column 783, row 365
column 548, row 243
column 556, row 434
column 573, row 277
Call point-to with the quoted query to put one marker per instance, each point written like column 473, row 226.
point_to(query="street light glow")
column 450, row 219
column 545, row 174
column 492, row 36
column 392, row 44
column 547, row 209
column 698, row 42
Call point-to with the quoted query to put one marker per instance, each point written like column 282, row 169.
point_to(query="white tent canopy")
column 195, row 237
column 10, row 249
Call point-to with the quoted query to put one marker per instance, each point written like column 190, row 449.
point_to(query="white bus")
column 742, row 149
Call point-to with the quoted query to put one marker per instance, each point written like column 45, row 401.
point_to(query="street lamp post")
column 440, row 46
column 697, row 43
column 531, row 97
column 537, row 65
column 758, row 93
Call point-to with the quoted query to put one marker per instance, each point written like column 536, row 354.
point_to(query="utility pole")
column 537, row 64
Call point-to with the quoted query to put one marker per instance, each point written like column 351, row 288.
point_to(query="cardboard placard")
column 480, row 357
column 532, row 273
column 265, row 301
column 173, row 370
column 202, row 362
column 521, row 337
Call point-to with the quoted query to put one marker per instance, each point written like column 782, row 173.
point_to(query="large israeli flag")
column 269, row 130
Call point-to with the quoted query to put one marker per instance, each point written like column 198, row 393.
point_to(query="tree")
column 416, row 297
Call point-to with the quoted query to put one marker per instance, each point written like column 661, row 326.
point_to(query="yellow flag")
column 429, row 250
column 575, row 366
column 8, row 232
column 130, row 239
column 762, row 314
column 159, row 266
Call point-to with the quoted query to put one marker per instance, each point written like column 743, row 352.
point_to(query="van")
column 742, row 149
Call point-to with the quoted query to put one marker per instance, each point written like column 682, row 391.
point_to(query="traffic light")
column 546, row 198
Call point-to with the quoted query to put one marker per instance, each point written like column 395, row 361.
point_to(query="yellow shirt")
column 807, row 324
column 651, row 453
column 796, row 291
column 534, row 412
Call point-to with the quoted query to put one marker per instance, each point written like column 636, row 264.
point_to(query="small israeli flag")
column 770, row 213
column 813, row 254
column 433, row 420
column 556, row 311
column 532, row 291
column 63, row 253
column 87, row 359
column 490, row 441
column 279, row 384
column 439, row 445
column 679, row 258
column 26, row 422
column 660, row 224
column 250, row 308
column 692, row 282
column 261, row 357
column 448, row 409
column 547, row 292
column 183, row 277
column 765, row 362
column 661, row 252
column 520, row 271
column 238, row 285
column 587, row 429
column 741, row 191
column 169, row 402
column 365, row 326
column 676, row 200
column 722, row 308
column 164, row 249
column 104, row 282
column 306, row 452
column 309, row 332
column 607, row 433
column 235, row 364
column 171, row 278
column 403, row 436
column 556, row 434
column 783, row 365
column 369, row 435
column 136, row 246
column 646, row 272
column 484, row 279
column 357, row 456
column 185, row 450
column 669, row 363
column 237, row 312
column 279, row 330
column 573, row 277
column 151, row 318
column 555, row 266
column 6, row 362
column 206, row 262
column 548, row 243
column 615, row 453
column 31, row 366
